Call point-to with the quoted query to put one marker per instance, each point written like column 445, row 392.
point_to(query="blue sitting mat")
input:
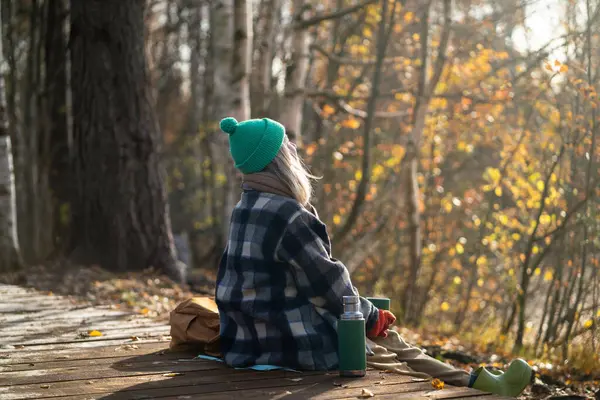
column 254, row 367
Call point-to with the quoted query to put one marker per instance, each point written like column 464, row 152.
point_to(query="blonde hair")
column 291, row 170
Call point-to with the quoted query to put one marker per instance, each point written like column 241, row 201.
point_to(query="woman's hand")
column 384, row 320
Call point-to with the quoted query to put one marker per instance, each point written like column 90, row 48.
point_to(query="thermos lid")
column 350, row 300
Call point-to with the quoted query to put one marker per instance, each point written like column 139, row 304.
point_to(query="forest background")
column 457, row 142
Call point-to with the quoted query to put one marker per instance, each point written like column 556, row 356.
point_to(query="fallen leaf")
column 173, row 374
column 90, row 382
column 19, row 346
column 94, row 333
column 437, row 384
column 45, row 386
column 366, row 393
column 134, row 338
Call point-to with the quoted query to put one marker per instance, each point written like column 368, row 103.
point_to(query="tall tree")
column 242, row 57
column 425, row 90
column 9, row 244
column 120, row 217
column 291, row 114
column 221, row 24
column 56, row 140
column 264, row 41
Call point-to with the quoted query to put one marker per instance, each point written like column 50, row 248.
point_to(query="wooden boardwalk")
column 46, row 352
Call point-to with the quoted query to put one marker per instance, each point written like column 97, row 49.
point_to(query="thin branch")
column 351, row 60
column 307, row 23
column 377, row 114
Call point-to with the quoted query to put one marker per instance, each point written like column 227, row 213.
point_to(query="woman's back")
column 265, row 318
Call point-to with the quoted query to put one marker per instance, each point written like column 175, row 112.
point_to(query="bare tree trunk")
column 56, row 145
column 211, row 206
column 242, row 59
column 222, row 35
column 291, row 114
column 426, row 88
column 120, row 215
column 26, row 200
column 10, row 258
column 580, row 296
column 261, row 78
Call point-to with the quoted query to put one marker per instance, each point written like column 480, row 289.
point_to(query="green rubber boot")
column 510, row 383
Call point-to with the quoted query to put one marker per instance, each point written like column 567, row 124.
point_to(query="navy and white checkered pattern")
column 279, row 291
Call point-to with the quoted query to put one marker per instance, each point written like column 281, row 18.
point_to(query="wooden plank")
column 213, row 382
column 25, row 356
column 74, row 335
column 73, row 313
column 326, row 390
column 314, row 386
column 61, row 326
column 19, row 308
column 110, row 358
column 14, row 289
column 446, row 393
column 75, row 389
column 36, row 296
column 83, row 344
column 40, row 376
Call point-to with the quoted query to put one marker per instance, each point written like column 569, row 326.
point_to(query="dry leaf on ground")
column 437, row 384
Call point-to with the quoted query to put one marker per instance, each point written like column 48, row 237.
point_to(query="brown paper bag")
column 195, row 325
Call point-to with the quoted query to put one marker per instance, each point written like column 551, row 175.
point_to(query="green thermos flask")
column 352, row 339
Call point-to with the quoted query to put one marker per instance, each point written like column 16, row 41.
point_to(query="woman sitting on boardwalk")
column 279, row 290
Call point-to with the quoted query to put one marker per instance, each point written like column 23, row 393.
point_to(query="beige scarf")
column 270, row 183
column 266, row 182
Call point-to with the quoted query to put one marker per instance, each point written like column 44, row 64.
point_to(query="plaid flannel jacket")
column 279, row 291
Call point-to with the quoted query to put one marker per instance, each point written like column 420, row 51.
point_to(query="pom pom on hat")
column 228, row 125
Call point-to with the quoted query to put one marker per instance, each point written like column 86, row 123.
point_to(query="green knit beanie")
column 253, row 143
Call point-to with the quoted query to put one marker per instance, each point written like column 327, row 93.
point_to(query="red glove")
column 380, row 328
